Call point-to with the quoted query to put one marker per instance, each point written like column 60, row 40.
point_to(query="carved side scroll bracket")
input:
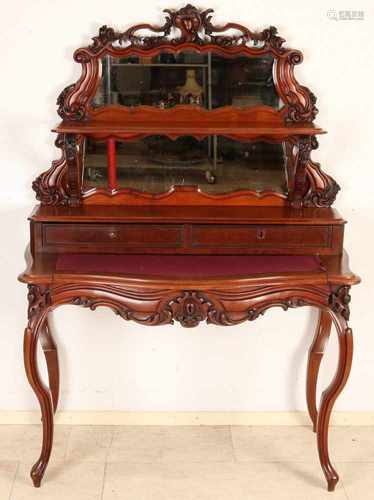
column 51, row 186
column 322, row 188
column 60, row 185
column 68, row 110
column 309, row 185
column 300, row 102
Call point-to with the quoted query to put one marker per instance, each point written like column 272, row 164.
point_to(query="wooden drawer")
column 262, row 237
column 188, row 238
column 92, row 237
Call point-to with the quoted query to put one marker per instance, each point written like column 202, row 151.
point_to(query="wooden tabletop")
column 168, row 214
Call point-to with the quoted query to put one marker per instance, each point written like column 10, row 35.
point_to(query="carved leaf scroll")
column 50, row 186
column 39, row 299
column 322, row 188
column 191, row 307
column 192, row 26
column 339, row 301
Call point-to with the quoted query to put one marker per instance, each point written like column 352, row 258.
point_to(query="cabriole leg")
column 38, row 309
column 316, row 352
column 329, row 396
column 51, row 358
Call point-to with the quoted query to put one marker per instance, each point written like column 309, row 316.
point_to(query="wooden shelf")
column 126, row 129
column 130, row 122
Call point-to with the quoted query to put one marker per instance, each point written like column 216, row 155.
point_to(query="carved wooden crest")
column 194, row 27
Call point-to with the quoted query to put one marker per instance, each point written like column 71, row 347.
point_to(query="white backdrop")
column 108, row 364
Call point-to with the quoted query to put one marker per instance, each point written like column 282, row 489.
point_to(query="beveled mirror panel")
column 215, row 164
column 208, row 79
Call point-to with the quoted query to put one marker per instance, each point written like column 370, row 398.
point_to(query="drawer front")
column 216, row 239
column 111, row 235
column 265, row 236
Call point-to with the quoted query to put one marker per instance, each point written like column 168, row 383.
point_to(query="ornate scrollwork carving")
column 270, row 35
column 39, row 298
column 70, row 111
column 188, row 308
column 48, row 195
column 184, row 26
column 70, row 147
column 339, row 301
column 312, row 187
column 293, row 302
column 84, row 302
column 123, row 310
column 300, row 100
column 193, row 25
column 322, row 188
column 305, row 144
column 189, row 21
column 50, row 186
column 106, row 35
column 298, row 112
column 191, row 307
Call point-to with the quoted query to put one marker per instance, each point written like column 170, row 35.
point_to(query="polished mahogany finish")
column 220, row 230
column 187, row 254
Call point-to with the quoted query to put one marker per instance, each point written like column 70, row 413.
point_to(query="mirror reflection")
column 216, row 164
column 209, row 80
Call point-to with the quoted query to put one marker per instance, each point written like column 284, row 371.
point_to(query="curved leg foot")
column 329, row 396
column 51, row 358
column 38, row 300
column 316, row 352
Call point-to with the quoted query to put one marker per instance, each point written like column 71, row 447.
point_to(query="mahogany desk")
column 163, row 289
column 186, row 191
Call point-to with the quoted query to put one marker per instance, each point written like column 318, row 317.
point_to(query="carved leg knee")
column 316, row 352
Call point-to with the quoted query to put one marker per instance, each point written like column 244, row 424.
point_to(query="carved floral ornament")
column 193, row 26
column 339, row 301
column 188, row 307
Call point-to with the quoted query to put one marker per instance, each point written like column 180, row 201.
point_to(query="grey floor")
column 186, row 463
